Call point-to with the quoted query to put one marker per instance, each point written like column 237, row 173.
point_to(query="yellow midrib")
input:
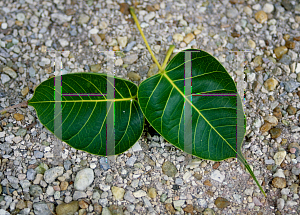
column 104, row 100
column 171, row 82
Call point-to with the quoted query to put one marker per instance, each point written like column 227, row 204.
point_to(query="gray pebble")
column 51, row 174
column 20, row 17
column 31, row 72
column 129, row 46
column 4, row 53
column 178, row 181
column 33, row 22
column 67, row 164
column 79, row 194
column 232, row 13
column 25, row 185
column 31, row 174
column 295, row 170
column 286, row 59
column 131, row 160
column 129, row 197
column 103, row 164
column 42, row 208
column 38, row 154
column 4, row 78
column 290, row 86
column 130, row 59
column 35, row 190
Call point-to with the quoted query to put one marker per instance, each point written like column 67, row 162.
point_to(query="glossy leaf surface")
column 84, row 111
column 217, row 118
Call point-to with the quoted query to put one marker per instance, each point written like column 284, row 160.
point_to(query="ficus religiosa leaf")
column 84, row 106
column 194, row 104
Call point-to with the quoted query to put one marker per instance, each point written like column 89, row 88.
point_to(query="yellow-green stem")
column 143, row 36
column 170, row 51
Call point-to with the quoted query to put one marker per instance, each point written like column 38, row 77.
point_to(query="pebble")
column 270, row 84
column 51, row 174
column 134, row 76
column 232, row 13
column 279, row 157
column 132, row 159
column 103, row 25
column 97, row 208
column 4, row 25
column 4, row 78
column 178, row 37
column 25, row 91
column 139, row 193
column 41, row 169
column 251, row 44
column 43, row 208
column 261, row 16
column 170, row 208
column 70, row 208
column 33, row 22
column 9, row 71
column 79, row 195
column 280, row 51
column 130, row 59
column 122, row 41
column 296, row 170
column 221, row 202
column 290, row 44
column 208, row 211
column 279, row 182
column 118, row 192
column 216, row 175
column 152, row 193
column 18, row 116
column 286, row 59
column 169, row 169
column 129, row 46
column 129, row 197
column 291, row 110
column 35, row 190
column 96, row 39
column 63, row 42
column 290, row 86
column 247, row 10
column 84, row 178
column 83, row 19
column 95, row 67
column 31, row 174
column 275, row 132
column 188, row 38
column 268, row 8
column 271, row 119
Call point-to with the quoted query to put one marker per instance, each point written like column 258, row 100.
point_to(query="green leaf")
column 194, row 105
column 82, row 99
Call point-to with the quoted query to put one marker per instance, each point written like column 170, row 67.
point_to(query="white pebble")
column 268, row 8
column 4, row 25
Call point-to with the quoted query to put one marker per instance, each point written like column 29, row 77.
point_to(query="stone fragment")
column 152, row 193
column 279, row 157
column 270, row 84
column 251, row 44
column 280, row 51
column 95, row 67
column 139, row 193
column 153, row 70
column 169, row 169
column 291, row 110
column 261, row 16
column 268, row 8
column 271, row 119
column 9, row 71
column 275, row 132
column 170, row 208
column 43, row 208
column 84, row 178
column 134, row 76
column 178, row 37
column 279, row 182
column 188, row 38
column 51, row 174
column 130, row 59
column 18, row 116
column 118, row 192
column 290, row 44
column 221, row 202
column 83, row 19
column 122, row 41
column 96, row 39
column 216, row 175
column 67, row 209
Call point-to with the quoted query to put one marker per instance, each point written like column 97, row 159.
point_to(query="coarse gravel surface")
column 256, row 41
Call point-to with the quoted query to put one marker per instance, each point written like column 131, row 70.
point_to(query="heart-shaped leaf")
column 194, row 105
column 76, row 107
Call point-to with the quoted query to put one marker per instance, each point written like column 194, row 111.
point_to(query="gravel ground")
column 256, row 41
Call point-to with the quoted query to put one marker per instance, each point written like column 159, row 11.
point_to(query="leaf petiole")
column 143, row 36
column 170, row 51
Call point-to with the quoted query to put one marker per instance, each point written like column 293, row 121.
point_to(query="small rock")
column 97, row 208
column 266, row 127
column 170, row 208
column 96, row 39
column 18, row 116
column 280, row 204
column 294, row 188
column 280, row 51
column 232, row 13
column 290, row 44
column 290, row 86
column 153, row 70
column 122, row 41
column 35, row 190
column 291, row 110
column 189, row 209
column 33, row 22
column 272, row 120
column 43, row 208
column 270, row 84
column 275, row 132
column 67, row 209
column 216, row 175
column 94, row 31
column 169, row 169
column 134, row 76
column 268, row 8
column 152, row 193
column 41, row 169
column 83, row 204
column 178, row 37
column 139, row 193
column 129, row 46
column 64, row 185
column 51, row 174
column 118, row 192
column 84, row 178
column 4, row 78
column 9, row 71
column 261, row 16
column 25, row 91
column 286, row 59
column 21, row 204
column 279, row 182
column 79, row 195
column 63, row 42
column 116, row 210
column 208, row 211
column 221, row 202
column 207, row 183
column 279, row 157
column 287, row 5
column 83, row 19
column 95, row 67
column 20, row 17
column 251, row 44
column 130, row 59
column 188, row 38
column 103, row 25
column 247, row 10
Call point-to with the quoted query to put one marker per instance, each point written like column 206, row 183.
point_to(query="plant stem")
column 143, row 36
column 23, row 104
column 170, row 51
